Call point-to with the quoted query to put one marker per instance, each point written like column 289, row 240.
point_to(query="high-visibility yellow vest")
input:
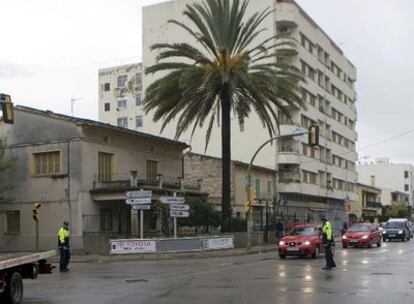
column 327, row 230
column 63, row 237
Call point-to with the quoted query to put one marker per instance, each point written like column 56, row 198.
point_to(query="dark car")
column 397, row 229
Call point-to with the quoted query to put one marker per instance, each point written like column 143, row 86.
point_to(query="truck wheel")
column 14, row 289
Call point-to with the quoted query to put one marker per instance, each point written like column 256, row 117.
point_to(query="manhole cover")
column 381, row 273
column 136, row 280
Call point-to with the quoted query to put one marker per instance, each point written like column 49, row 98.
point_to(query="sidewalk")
column 92, row 258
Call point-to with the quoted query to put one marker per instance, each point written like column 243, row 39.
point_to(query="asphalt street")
column 377, row 275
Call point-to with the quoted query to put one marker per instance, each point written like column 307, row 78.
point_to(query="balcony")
column 286, row 47
column 375, row 205
column 285, row 157
column 124, row 181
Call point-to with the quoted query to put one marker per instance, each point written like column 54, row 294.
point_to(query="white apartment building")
column 310, row 179
column 392, row 178
column 120, row 96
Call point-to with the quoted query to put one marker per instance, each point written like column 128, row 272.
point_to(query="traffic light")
column 7, row 108
column 314, row 135
column 35, row 211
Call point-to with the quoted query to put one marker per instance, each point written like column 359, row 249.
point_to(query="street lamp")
column 313, row 133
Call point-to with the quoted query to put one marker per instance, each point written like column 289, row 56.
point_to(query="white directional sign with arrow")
column 179, row 213
column 172, row 200
column 180, row 207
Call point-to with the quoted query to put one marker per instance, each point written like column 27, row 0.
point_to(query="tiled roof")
column 94, row 123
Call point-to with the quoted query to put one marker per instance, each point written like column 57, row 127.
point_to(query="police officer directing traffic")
column 63, row 245
column 328, row 243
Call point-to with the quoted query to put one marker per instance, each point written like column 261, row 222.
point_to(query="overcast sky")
column 51, row 50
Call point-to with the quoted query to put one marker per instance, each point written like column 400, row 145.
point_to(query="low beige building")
column 79, row 170
column 368, row 203
column 207, row 170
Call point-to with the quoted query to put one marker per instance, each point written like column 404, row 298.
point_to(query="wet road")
column 377, row 275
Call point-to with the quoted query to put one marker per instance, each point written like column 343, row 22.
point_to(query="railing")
column 374, row 205
column 136, row 179
column 289, row 177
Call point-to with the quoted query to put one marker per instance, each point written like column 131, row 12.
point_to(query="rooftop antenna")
column 72, row 103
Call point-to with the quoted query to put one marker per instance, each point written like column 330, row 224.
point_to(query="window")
column 138, row 100
column 47, row 163
column 138, row 78
column 309, row 177
column 122, row 81
column 152, row 171
column 105, row 166
column 106, row 217
column 269, row 187
column 406, row 187
column 107, row 106
column 257, row 188
column 107, row 87
column 122, row 122
column 13, row 222
column 122, row 103
column 139, row 121
column 406, row 175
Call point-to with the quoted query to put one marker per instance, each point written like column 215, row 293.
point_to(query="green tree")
column 202, row 214
column 228, row 69
column 399, row 210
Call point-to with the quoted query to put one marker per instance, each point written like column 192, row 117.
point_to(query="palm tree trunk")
column 226, row 159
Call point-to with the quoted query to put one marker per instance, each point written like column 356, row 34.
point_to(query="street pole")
column 141, row 212
column 37, row 235
column 175, row 222
column 249, row 178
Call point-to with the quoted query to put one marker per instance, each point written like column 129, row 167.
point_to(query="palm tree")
column 226, row 70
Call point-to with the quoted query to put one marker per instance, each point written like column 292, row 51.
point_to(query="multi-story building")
column 311, row 180
column 391, row 178
column 120, row 96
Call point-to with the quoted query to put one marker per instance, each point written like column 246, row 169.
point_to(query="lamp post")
column 313, row 139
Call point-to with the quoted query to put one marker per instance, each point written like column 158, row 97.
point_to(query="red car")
column 362, row 235
column 303, row 240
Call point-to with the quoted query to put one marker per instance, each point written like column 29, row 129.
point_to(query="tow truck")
column 14, row 267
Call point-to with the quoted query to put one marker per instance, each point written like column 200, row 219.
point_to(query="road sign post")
column 139, row 200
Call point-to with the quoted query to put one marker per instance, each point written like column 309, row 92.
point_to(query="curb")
column 165, row 256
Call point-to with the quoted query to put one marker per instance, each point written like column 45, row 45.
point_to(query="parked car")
column 303, row 240
column 362, row 235
column 397, row 229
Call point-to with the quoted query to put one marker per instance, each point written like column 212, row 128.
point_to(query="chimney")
column 372, row 183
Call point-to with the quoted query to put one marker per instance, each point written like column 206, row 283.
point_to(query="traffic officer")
column 63, row 245
column 328, row 243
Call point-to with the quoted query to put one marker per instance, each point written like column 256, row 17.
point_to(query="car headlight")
column 282, row 243
column 400, row 232
column 306, row 243
column 344, row 237
column 365, row 237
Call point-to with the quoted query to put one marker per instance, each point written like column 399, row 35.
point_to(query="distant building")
column 368, row 203
column 79, row 170
column 394, row 179
column 120, row 96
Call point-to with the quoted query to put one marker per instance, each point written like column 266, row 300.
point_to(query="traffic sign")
column 141, row 207
column 180, row 207
column 172, row 200
column 178, row 213
column 138, row 201
column 139, row 194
